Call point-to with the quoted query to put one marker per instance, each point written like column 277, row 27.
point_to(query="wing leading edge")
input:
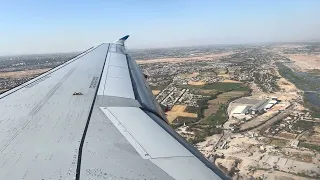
column 114, row 129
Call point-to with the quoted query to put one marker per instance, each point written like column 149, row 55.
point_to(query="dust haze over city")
column 239, row 80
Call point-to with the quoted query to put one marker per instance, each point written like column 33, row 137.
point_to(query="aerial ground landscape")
column 253, row 110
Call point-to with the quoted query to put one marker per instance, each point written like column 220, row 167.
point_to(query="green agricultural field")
column 160, row 88
column 217, row 118
column 310, row 146
column 223, row 86
column 191, row 109
column 279, row 142
column 218, row 86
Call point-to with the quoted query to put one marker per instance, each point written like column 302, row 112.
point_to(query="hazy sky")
column 65, row 25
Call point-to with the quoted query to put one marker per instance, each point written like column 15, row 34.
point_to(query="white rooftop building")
column 240, row 110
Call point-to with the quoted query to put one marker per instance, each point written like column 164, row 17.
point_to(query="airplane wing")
column 93, row 117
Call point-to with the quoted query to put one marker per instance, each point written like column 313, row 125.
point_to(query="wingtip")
column 124, row 38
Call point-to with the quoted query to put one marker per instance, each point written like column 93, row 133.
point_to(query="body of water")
column 304, row 81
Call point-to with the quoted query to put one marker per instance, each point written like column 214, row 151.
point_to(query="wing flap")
column 107, row 154
column 116, row 79
column 119, row 72
column 118, row 87
column 136, row 124
column 117, row 59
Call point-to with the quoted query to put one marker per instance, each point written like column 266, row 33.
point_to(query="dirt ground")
column 240, row 147
column 194, row 83
column 281, row 106
column 178, row 110
column 305, row 62
column 206, row 147
column 248, row 151
column 288, row 91
column 283, row 96
column 184, row 133
column 276, row 175
column 155, row 92
column 22, row 73
column 177, row 60
column 287, row 86
column 224, row 75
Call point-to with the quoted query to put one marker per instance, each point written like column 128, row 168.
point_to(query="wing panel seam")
column 105, row 82
column 88, row 120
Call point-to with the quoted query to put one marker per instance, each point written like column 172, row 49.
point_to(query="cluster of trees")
column 201, row 134
column 303, row 125
column 267, row 82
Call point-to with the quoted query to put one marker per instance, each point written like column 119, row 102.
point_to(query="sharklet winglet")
column 121, row 40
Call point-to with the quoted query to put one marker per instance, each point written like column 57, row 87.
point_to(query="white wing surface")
column 93, row 117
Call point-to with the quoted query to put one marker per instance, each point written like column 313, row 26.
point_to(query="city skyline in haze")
column 59, row 26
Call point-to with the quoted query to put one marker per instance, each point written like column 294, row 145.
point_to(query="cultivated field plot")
column 196, row 83
column 279, row 142
column 287, row 135
column 315, row 138
column 191, row 109
column 213, row 105
column 160, row 87
column 205, row 91
column 179, row 111
column 179, row 60
column 305, row 61
column 226, row 86
column 217, row 86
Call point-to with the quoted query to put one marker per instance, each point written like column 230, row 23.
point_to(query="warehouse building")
column 259, row 107
column 241, row 110
column 270, row 104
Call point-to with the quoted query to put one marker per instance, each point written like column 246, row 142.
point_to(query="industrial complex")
column 258, row 108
